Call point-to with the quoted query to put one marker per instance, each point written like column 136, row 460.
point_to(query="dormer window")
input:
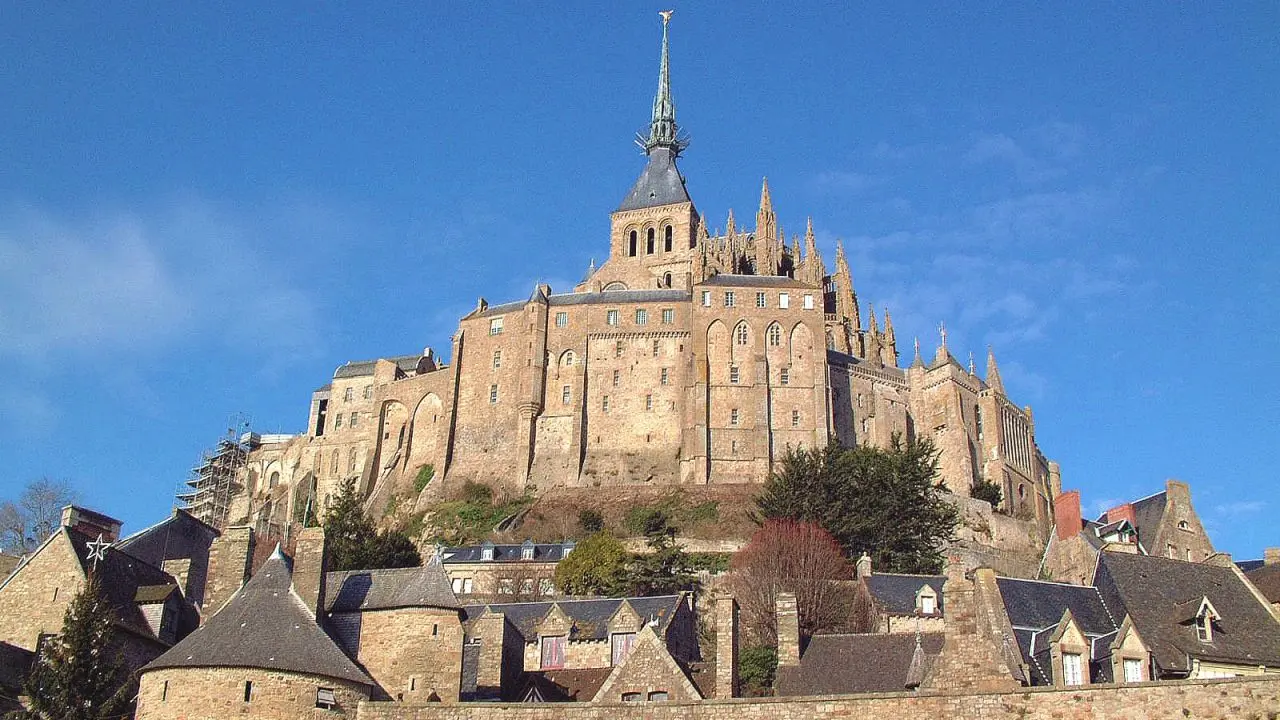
column 565, row 550
column 927, row 601
column 526, row 551
column 486, row 553
column 1206, row 615
column 1184, row 525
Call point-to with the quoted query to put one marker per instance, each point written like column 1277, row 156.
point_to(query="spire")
column 889, row 335
column 663, row 131
column 972, row 370
column 846, row 296
column 943, row 356
column 875, row 329
column 766, row 221
column 993, row 373
column 917, row 362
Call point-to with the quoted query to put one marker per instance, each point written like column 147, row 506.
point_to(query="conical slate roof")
column 265, row 625
column 660, row 184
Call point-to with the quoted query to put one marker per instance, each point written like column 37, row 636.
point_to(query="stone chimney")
column 490, row 629
column 229, row 564
column 1271, row 556
column 1066, row 514
column 973, row 657
column 863, row 568
column 1121, row 512
column 90, row 523
column 310, row 563
column 726, row 646
column 788, row 615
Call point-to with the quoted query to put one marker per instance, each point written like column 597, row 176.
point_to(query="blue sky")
column 205, row 209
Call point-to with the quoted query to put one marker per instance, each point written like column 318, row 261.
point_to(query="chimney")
column 180, row 569
column 863, row 568
column 230, row 557
column 726, row 646
column 1066, row 514
column 490, row 629
column 788, row 629
column 90, row 523
column 1121, row 512
column 1271, row 556
column 310, row 563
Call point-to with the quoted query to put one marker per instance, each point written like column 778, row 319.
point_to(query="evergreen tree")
column 886, row 502
column 597, row 566
column 79, row 674
column 665, row 569
column 355, row 544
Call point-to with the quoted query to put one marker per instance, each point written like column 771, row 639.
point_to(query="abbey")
column 685, row 358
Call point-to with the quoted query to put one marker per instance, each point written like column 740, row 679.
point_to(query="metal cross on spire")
column 942, row 330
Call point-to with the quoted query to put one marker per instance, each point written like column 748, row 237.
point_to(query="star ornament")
column 98, row 550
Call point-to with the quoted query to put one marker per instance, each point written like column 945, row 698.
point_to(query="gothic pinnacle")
column 993, row 373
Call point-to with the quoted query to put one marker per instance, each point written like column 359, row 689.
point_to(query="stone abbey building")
column 685, row 358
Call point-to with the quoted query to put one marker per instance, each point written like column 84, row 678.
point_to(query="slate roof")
column 659, row 184
column 1035, row 608
column 896, row 594
column 1248, row 566
column 361, row 368
column 470, row 680
column 121, row 574
column 264, row 625
column 1147, row 514
column 619, row 297
column 590, row 617
column 14, row 665
column 542, row 552
column 760, row 281
column 566, row 685
column 1155, row 593
column 1267, row 579
column 358, row 590
column 179, row 536
column 838, row 664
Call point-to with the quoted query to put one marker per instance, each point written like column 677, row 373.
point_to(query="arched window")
column 742, row 334
column 568, row 358
column 775, row 335
column 333, row 466
column 351, row 461
column 273, row 480
column 632, row 249
column 648, row 248
column 666, row 278
column 667, row 243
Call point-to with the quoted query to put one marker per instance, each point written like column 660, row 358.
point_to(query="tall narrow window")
column 553, row 651
column 497, row 359
column 349, row 394
column 368, row 392
column 706, row 298
column 617, row 377
column 562, row 319
column 761, row 300
column 666, row 376
column 657, row 345
column 666, row 244
column 668, row 316
column 743, row 333
column 784, row 377
column 1071, row 669
column 648, row 402
column 648, row 248
column 611, row 317
column 642, row 317
column 164, row 691
column 808, row 302
column 631, row 249
column 733, row 416
column 604, row 404
column 622, row 644
column 795, row 418
column 733, row 374
column 248, row 690
column 337, row 421
column 354, row 419
column 565, row 395
column 775, row 335
column 1132, row 670
column 493, row 394
column 617, row 349
column 729, row 298
column 784, row 300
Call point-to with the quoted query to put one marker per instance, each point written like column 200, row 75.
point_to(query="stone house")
column 894, row 603
column 1199, row 619
column 504, row 572
column 1068, row 636
column 1164, row 524
column 688, row 357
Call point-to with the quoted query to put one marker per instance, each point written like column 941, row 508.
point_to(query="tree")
column 796, row 557
column 26, row 523
column 886, row 502
column 597, row 566
column 355, row 544
column 987, row 491
column 590, row 520
column 665, row 568
column 80, row 673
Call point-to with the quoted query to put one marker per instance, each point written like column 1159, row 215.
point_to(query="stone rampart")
column 1237, row 699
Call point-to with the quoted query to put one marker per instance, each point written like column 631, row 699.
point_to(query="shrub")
column 597, row 566
column 425, row 474
column 477, row 493
column 756, row 668
column 591, row 521
column 987, row 491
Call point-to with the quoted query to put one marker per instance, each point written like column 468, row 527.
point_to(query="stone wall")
column 35, row 600
column 1238, row 699
column 218, row 693
column 413, row 652
column 986, row 538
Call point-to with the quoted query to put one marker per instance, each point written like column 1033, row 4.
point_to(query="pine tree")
column 355, row 544
column 79, row 674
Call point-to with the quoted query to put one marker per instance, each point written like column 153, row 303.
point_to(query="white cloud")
column 1242, row 507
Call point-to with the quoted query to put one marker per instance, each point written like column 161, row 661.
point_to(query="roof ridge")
column 1047, row 582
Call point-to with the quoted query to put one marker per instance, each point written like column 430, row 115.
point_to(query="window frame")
column 762, row 299
column 496, row 325
column 1072, row 669
column 562, row 319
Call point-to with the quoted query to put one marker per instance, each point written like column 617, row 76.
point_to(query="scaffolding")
column 216, row 479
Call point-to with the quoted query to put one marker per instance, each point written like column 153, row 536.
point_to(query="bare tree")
column 790, row 556
column 26, row 523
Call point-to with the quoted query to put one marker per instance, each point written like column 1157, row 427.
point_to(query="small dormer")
column 623, row 626
column 565, row 548
column 1070, row 652
column 486, row 551
column 553, row 638
column 927, row 601
column 527, row 550
column 1206, row 616
column 159, row 606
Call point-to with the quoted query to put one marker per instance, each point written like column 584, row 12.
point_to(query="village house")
column 504, row 572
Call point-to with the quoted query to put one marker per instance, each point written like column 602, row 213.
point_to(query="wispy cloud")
column 1243, row 507
column 843, row 182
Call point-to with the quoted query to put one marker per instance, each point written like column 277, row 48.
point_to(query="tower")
column 653, row 238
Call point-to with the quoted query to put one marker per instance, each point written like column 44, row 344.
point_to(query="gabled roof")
column 659, row 184
column 1267, row 579
column 564, row 685
column 1147, row 514
column 1156, row 591
column 1036, row 604
column 542, row 552
column 837, row 664
column 590, row 617
column 361, row 368
column 120, row 575
column 359, row 590
column 264, row 625
column 896, row 594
